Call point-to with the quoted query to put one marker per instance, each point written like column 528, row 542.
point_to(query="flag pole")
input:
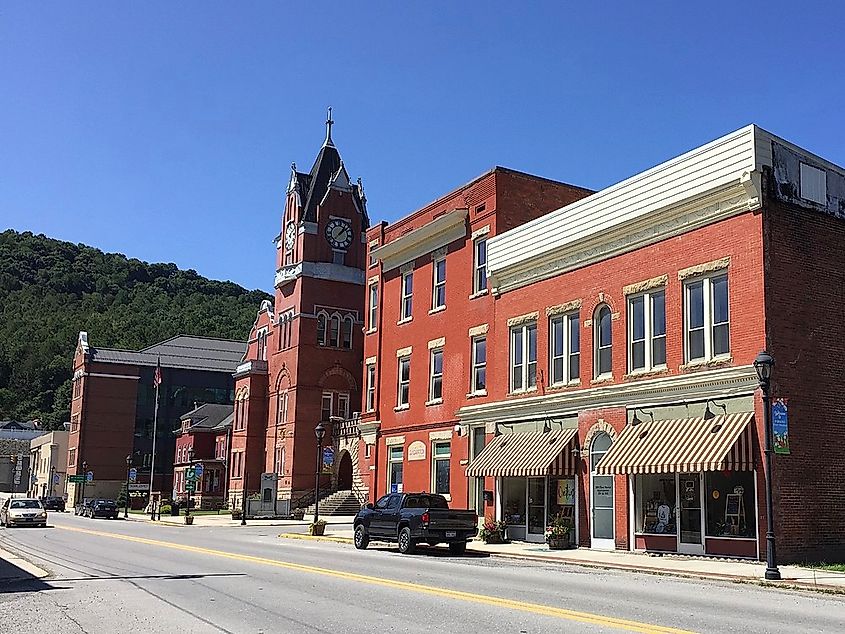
column 157, row 381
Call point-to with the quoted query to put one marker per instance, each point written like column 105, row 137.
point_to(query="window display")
column 655, row 502
column 731, row 511
column 513, row 500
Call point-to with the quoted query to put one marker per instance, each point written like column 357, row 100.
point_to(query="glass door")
column 601, row 498
column 536, row 509
column 690, row 504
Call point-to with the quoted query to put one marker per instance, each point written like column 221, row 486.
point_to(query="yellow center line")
column 534, row 608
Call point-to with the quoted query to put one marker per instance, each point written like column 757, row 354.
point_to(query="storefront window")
column 655, row 504
column 513, row 500
column 395, row 470
column 562, row 498
column 729, row 497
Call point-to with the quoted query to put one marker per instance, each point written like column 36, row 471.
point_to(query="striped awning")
column 534, row 454
column 686, row 444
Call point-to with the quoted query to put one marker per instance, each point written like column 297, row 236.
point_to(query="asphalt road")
column 119, row 576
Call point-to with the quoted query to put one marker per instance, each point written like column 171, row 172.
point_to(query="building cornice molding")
column 429, row 237
column 320, row 271
column 740, row 197
column 250, row 367
column 103, row 375
column 695, row 386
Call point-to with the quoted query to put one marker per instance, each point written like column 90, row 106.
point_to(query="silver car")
column 23, row 512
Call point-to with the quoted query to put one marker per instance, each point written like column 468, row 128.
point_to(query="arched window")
column 601, row 443
column 334, row 332
column 347, row 332
column 602, row 341
column 322, row 325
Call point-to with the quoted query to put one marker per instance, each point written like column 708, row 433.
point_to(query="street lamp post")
column 763, row 364
column 84, row 480
column 128, row 469
column 191, row 482
column 320, row 432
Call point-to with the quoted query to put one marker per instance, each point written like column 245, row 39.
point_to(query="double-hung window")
column 603, row 342
column 523, row 357
column 706, row 318
column 478, row 377
column 479, row 281
column 435, row 383
column 441, row 454
column 647, row 331
column 326, row 406
column 564, row 348
column 371, row 387
column 373, row 308
column 438, row 299
column 403, row 388
column 407, row 295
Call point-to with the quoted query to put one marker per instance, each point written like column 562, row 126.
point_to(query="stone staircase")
column 338, row 503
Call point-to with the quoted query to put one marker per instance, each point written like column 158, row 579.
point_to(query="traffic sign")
column 133, row 474
column 190, row 487
column 190, row 474
column 198, row 470
column 89, row 477
column 77, row 479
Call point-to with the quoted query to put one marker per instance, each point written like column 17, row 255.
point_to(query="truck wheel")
column 362, row 540
column 406, row 544
column 458, row 549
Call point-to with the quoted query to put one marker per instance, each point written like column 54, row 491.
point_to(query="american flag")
column 157, row 375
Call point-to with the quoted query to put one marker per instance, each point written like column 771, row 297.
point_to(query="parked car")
column 23, row 512
column 101, row 508
column 53, row 503
column 415, row 518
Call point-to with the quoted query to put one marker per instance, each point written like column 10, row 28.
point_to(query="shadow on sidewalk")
column 14, row 579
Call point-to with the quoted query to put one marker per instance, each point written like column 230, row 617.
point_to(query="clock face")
column 290, row 236
column 339, row 234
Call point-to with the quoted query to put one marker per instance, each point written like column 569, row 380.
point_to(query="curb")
column 25, row 565
column 317, row 538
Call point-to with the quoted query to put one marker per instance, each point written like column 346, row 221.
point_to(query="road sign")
column 198, row 470
column 190, row 475
column 77, row 479
column 133, row 474
column 56, row 479
column 138, row 486
column 89, row 477
column 190, row 487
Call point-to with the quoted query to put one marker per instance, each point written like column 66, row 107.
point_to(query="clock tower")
column 304, row 360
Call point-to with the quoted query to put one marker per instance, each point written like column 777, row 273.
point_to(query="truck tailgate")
column 442, row 519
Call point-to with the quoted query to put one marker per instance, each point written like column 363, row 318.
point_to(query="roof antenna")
column 329, row 124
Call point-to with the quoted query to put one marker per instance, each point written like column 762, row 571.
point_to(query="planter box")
column 189, row 520
column 495, row 538
column 559, row 543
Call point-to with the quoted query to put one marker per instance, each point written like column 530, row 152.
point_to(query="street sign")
column 138, row 486
column 198, row 470
column 190, row 475
column 190, row 487
column 133, row 474
column 77, row 479
column 89, row 477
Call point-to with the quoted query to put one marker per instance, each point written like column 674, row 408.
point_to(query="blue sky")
column 166, row 130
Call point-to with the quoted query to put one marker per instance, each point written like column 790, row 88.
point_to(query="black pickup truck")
column 415, row 518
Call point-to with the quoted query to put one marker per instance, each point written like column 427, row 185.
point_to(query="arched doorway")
column 344, row 472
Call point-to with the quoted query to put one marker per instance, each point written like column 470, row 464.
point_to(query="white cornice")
column 623, row 238
column 101, row 375
column 321, row 271
column 695, row 386
column 435, row 234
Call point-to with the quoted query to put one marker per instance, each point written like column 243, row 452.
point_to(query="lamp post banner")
column 780, row 426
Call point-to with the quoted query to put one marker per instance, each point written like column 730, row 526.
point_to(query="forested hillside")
column 50, row 290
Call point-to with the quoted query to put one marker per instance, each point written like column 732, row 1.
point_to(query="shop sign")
column 566, row 492
column 138, row 486
column 780, row 426
column 416, row 450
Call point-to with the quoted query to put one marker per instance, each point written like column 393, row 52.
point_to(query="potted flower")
column 189, row 520
column 493, row 532
column 317, row 528
column 559, row 533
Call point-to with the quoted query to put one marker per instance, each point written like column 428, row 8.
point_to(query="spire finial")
column 329, row 124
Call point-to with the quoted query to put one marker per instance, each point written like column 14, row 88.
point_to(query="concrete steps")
column 338, row 503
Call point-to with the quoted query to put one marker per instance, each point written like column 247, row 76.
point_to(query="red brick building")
column 203, row 439
column 621, row 335
column 303, row 363
column 113, row 406
column 428, row 313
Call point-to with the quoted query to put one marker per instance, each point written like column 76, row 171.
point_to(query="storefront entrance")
column 690, row 505
column 601, row 497
column 529, row 503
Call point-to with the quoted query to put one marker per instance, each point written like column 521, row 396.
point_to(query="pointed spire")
column 329, row 124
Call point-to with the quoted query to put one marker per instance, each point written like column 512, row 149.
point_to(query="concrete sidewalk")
column 677, row 565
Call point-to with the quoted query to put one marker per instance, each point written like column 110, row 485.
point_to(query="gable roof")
column 209, row 416
column 186, row 352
